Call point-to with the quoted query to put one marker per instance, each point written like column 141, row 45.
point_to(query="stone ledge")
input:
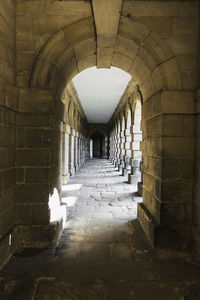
column 161, row 236
column 37, row 236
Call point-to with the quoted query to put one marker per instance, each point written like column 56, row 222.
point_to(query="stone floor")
column 103, row 253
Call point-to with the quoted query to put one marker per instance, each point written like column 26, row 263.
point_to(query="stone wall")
column 157, row 43
column 8, row 108
column 48, row 141
column 196, row 210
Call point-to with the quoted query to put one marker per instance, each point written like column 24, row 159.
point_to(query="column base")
column 162, row 236
column 72, row 172
column 65, row 178
column 134, row 179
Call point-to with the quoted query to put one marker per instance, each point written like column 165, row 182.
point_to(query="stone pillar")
column 122, row 151
column 38, row 171
column 79, row 152
column 168, row 160
column 65, row 149
column 196, row 205
column 71, row 152
column 76, row 164
column 117, row 150
column 83, row 151
column 127, row 165
column 135, row 175
column 111, row 146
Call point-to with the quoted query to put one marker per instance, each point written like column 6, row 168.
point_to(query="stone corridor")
column 103, row 253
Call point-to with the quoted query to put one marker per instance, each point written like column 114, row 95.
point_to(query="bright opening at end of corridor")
column 99, row 91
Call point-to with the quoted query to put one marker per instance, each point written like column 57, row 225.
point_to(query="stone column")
column 38, row 171
column 196, row 205
column 168, row 168
column 79, row 153
column 127, row 165
column 115, row 147
column 71, row 152
column 135, row 175
column 65, row 171
column 122, row 151
column 111, row 153
column 76, row 164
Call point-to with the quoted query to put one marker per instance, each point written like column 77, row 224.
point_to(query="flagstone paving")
column 103, row 253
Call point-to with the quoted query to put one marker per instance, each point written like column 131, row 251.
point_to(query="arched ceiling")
column 136, row 49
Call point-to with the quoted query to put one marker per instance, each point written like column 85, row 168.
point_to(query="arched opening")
column 157, row 74
column 98, row 145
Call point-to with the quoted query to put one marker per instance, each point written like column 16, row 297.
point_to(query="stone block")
column 128, row 138
column 36, row 236
column 172, row 125
column 177, row 190
column 8, row 117
column 189, row 80
column 20, row 175
column 178, row 146
column 176, row 214
column 38, row 138
column 127, row 146
column 153, row 127
column 9, row 158
column 7, row 199
column 152, row 165
column 183, row 44
column 177, row 102
column 5, row 251
column 31, row 120
column 25, row 60
column 170, row 168
column 59, row 110
column 20, row 138
column 24, row 213
column 7, row 221
column 40, row 214
column 7, row 137
column 32, row 193
column 187, row 168
column 162, row 25
column 35, row 101
column 32, row 157
column 152, row 146
column 151, row 107
column 189, row 126
column 7, row 179
column 8, row 74
column 34, row 175
column 11, row 97
column 171, row 74
column 23, row 79
column 152, row 184
column 146, row 221
column 30, row 8
column 161, row 9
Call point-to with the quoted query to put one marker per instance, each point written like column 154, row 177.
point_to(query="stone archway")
column 140, row 51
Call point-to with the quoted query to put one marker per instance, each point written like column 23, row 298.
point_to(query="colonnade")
column 73, row 135
column 125, row 138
